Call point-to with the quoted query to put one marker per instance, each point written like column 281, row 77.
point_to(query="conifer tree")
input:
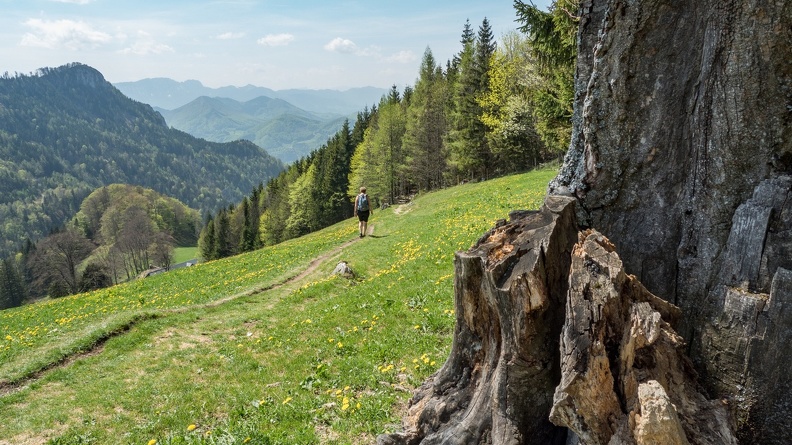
column 472, row 156
column 12, row 286
column 223, row 245
column 248, row 232
column 426, row 126
column 206, row 241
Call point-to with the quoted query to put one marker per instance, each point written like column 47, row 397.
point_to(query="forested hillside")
column 283, row 130
column 66, row 131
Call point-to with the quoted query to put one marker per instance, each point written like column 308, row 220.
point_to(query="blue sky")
column 278, row 44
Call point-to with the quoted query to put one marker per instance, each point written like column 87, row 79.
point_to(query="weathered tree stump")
column 556, row 344
column 497, row 385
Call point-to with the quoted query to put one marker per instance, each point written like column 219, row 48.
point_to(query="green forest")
column 66, row 131
column 120, row 231
column 494, row 109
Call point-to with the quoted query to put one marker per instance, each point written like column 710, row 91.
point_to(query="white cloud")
column 402, row 57
column 146, row 45
column 276, row 39
column 76, row 2
column 66, row 34
column 340, row 45
column 230, row 36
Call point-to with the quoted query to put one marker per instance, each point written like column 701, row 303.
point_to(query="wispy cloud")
column 63, row 34
column 346, row 46
column 340, row 45
column 76, row 2
column 402, row 57
column 146, row 45
column 230, row 36
column 276, row 39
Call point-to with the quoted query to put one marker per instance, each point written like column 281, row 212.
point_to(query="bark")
column 681, row 155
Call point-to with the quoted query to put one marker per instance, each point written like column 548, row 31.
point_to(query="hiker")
column 362, row 211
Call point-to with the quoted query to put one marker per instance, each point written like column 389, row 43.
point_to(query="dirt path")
column 10, row 387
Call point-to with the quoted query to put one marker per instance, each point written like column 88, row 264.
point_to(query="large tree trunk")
column 682, row 156
column 681, row 153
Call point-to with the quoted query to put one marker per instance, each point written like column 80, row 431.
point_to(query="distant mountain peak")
column 75, row 73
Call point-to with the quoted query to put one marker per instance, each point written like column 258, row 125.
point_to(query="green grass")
column 182, row 254
column 317, row 360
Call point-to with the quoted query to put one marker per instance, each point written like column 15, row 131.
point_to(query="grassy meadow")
column 263, row 348
column 182, row 254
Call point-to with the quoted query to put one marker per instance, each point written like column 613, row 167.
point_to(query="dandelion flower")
column 191, row 427
column 152, row 442
column 287, row 400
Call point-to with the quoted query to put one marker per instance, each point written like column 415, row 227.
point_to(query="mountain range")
column 289, row 124
column 284, row 130
column 170, row 94
column 67, row 131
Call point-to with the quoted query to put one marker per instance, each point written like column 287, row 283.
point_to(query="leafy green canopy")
column 552, row 38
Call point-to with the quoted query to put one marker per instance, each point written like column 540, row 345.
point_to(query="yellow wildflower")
column 191, row 427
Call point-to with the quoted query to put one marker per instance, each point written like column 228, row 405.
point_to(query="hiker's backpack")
column 363, row 204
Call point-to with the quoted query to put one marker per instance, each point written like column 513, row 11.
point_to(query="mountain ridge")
column 170, row 94
column 284, row 130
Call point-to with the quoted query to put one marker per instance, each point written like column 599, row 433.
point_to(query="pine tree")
column 223, row 245
column 206, row 242
column 467, row 138
column 248, row 232
column 426, row 126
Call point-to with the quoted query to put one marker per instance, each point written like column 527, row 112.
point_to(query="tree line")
column 119, row 232
column 491, row 110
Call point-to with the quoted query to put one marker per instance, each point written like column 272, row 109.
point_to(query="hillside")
column 66, row 131
column 285, row 131
column 170, row 94
column 265, row 347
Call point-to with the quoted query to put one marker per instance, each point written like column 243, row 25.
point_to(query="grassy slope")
column 182, row 254
column 315, row 360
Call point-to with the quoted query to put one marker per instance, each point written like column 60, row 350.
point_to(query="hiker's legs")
column 361, row 227
column 365, row 227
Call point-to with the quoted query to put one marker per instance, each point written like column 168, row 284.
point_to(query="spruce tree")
column 426, row 126
column 223, row 246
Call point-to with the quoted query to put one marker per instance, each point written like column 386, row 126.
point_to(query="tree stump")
column 497, row 384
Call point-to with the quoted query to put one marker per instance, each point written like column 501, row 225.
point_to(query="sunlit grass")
column 182, row 254
column 323, row 360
